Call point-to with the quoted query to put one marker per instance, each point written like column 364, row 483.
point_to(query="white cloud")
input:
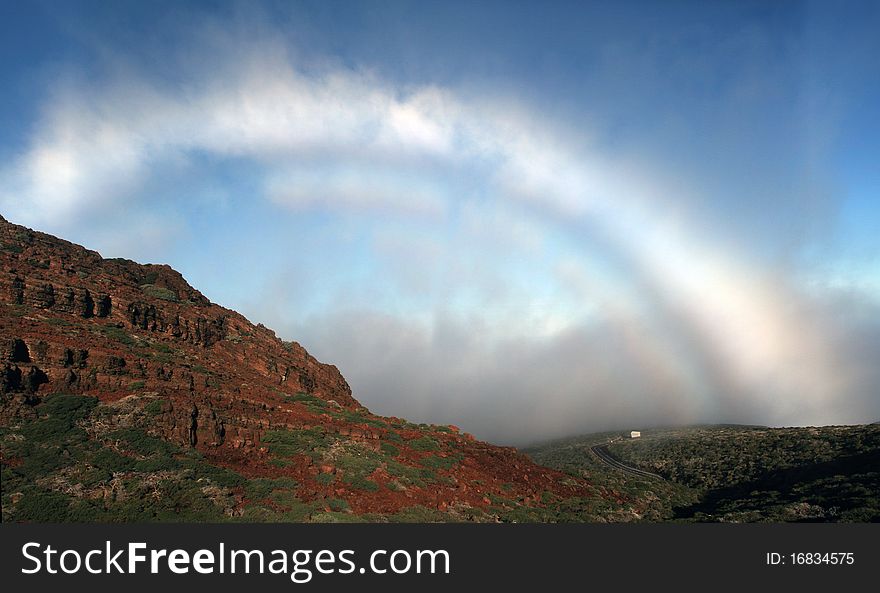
column 341, row 140
column 354, row 188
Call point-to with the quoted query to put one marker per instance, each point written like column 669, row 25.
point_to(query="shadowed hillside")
column 738, row 473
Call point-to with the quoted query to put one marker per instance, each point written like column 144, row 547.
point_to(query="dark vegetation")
column 738, row 473
column 59, row 466
column 54, row 470
column 75, row 460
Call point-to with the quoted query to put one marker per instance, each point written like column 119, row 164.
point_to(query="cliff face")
column 78, row 323
column 145, row 353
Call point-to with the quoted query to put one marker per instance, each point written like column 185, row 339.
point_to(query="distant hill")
column 737, row 473
column 126, row 395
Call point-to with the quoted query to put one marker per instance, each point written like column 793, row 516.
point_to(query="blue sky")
column 528, row 219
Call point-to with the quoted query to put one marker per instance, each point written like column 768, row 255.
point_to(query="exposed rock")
column 86, row 306
column 194, row 426
column 18, row 291
column 103, row 305
column 70, row 378
column 76, row 358
column 32, row 381
column 18, row 351
column 44, row 296
column 67, row 302
column 10, row 379
column 116, row 365
column 144, row 316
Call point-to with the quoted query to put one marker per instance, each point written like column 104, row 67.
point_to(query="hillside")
column 128, row 396
column 738, row 473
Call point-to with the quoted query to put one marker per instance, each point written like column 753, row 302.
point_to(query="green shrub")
column 358, row 417
column 115, row 333
column 314, row 404
column 159, row 292
column 138, row 441
column 162, row 348
column 83, row 511
column 156, row 464
column 389, row 449
column 409, row 475
column 361, row 483
column 68, row 407
column 287, row 443
column 261, row 488
column 338, row 517
column 294, row 510
column 437, row 462
column 418, row 514
column 303, row 398
column 40, row 463
column 155, row 407
column 424, row 443
column 325, row 479
column 90, row 477
column 548, row 497
column 298, row 513
column 57, row 425
column 259, row 514
column 109, row 460
column 218, row 475
column 42, row 506
column 51, row 431
column 357, row 463
column 181, row 501
column 338, row 504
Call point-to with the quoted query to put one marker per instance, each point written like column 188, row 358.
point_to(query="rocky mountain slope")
column 128, row 395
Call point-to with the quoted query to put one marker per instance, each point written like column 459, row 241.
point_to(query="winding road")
column 601, row 451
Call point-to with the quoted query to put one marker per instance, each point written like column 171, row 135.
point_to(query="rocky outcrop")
column 13, row 379
column 18, row 351
column 75, row 322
